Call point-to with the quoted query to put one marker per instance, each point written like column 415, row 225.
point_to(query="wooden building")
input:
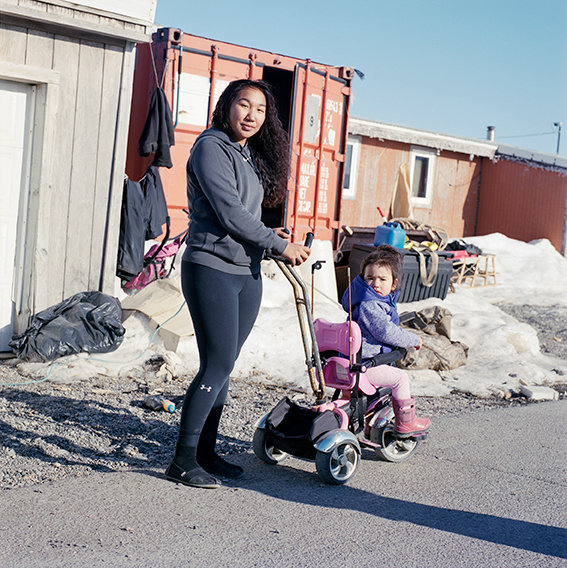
column 466, row 186
column 446, row 171
column 65, row 93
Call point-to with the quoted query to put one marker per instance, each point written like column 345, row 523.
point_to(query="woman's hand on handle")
column 282, row 232
column 296, row 253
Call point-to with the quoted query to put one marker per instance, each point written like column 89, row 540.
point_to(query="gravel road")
column 49, row 431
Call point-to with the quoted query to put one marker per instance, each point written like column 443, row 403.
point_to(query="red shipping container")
column 313, row 100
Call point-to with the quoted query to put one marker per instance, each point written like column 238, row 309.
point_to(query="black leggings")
column 223, row 308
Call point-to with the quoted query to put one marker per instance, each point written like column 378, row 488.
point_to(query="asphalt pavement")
column 486, row 489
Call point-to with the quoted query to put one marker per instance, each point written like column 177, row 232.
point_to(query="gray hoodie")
column 225, row 205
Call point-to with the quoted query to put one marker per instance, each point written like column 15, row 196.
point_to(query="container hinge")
column 346, row 72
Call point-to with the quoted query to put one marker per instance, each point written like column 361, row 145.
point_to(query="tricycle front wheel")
column 339, row 465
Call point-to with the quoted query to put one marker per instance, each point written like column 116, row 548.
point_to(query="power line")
column 528, row 135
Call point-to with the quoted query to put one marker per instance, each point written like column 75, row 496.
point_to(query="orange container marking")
column 313, row 101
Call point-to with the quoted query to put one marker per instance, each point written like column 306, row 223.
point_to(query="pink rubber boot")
column 406, row 424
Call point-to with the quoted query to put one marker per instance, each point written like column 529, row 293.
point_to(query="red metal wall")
column 521, row 201
column 455, row 188
column 314, row 100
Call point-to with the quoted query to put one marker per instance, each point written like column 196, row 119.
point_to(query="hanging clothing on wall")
column 154, row 199
column 133, row 221
column 144, row 211
column 158, row 133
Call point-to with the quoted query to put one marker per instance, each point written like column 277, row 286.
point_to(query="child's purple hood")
column 360, row 291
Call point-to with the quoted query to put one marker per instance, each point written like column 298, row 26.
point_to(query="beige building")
column 65, row 93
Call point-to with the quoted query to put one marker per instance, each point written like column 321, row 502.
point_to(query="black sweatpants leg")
column 223, row 308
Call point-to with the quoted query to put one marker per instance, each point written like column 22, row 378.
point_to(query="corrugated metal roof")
column 397, row 133
column 523, row 155
column 374, row 129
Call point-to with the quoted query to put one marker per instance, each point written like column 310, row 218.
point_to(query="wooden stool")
column 473, row 268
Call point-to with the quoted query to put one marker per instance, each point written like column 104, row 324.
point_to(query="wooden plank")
column 32, row 4
column 66, row 60
column 13, row 44
column 60, row 13
column 88, row 22
column 37, row 261
column 83, row 167
column 105, row 155
column 39, row 49
column 119, row 164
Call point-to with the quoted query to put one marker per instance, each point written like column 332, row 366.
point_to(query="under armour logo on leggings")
column 205, row 387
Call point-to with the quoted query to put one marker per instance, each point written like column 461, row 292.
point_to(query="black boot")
column 216, row 465
column 185, row 469
column 207, row 458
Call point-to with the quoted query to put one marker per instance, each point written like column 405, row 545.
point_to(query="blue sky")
column 450, row 66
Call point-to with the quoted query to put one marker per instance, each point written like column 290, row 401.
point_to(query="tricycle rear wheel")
column 394, row 449
column 265, row 449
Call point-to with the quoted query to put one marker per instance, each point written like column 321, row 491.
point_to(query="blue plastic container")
column 390, row 234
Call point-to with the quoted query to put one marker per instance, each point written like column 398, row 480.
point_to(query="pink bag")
column 158, row 263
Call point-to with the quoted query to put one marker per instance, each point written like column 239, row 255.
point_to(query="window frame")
column 431, row 155
column 355, row 141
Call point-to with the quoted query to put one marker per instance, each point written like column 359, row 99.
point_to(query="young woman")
column 234, row 167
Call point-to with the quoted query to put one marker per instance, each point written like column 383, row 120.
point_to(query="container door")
column 282, row 84
column 194, row 72
column 16, row 108
column 318, row 138
column 312, row 99
column 193, row 86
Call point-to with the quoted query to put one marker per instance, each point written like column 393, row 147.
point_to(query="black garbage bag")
column 88, row 322
column 459, row 244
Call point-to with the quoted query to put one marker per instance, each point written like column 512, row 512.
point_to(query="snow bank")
column 501, row 350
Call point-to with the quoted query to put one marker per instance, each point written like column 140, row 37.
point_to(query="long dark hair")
column 269, row 145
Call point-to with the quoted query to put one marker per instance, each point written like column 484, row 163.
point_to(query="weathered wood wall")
column 73, row 224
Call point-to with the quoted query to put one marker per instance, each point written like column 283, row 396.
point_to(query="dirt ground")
column 49, row 431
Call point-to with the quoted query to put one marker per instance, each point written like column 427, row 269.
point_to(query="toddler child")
column 374, row 293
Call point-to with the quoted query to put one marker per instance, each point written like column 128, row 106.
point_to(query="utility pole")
column 558, row 126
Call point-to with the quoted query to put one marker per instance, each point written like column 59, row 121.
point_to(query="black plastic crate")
column 411, row 287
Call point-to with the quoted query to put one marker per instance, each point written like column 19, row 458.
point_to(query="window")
column 351, row 166
column 422, row 163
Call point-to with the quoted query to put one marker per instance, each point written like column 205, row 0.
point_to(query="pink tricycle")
column 359, row 414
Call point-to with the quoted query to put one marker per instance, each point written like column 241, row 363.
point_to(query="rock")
column 539, row 392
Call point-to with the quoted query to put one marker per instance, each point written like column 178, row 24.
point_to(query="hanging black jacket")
column 155, row 204
column 133, row 223
column 158, row 133
column 144, row 211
